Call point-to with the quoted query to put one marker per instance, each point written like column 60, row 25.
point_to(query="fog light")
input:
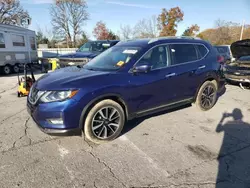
column 57, row 121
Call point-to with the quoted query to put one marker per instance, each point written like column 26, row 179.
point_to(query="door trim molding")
column 164, row 106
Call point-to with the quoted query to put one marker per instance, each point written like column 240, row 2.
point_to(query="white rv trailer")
column 17, row 46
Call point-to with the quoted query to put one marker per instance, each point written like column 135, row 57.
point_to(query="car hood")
column 66, row 78
column 80, row 55
column 240, row 48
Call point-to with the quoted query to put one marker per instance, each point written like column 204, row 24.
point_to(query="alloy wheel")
column 208, row 97
column 106, row 122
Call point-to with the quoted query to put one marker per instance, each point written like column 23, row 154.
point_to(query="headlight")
column 52, row 96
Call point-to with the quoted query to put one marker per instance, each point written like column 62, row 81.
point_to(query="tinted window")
column 2, row 41
column 157, row 57
column 18, row 40
column 183, row 53
column 202, row 50
column 222, row 49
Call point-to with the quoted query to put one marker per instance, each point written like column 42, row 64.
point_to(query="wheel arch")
column 208, row 78
column 115, row 97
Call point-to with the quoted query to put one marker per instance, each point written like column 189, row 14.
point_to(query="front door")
column 152, row 89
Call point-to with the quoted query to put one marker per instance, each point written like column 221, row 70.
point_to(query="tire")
column 6, row 70
column 95, row 120
column 207, row 96
column 15, row 68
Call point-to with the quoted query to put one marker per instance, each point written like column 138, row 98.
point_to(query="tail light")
column 220, row 59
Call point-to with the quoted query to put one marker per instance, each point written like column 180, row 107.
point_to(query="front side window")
column 2, row 41
column 157, row 57
column 183, row 53
column 18, row 40
column 32, row 43
column 113, row 58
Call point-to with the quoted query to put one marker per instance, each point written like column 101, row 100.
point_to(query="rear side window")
column 202, row 50
column 183, row 53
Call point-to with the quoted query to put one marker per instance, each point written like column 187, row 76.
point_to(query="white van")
column 17, row 45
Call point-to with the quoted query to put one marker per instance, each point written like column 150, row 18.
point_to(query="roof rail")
column 172, row 37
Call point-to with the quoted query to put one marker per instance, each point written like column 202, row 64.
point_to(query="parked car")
column 17, row 46
column 239, row 70
column 225, row 52
column 85, row 53
column 131, row 79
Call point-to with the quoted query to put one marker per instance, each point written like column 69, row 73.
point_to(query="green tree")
column 112, row 36
column 41, row 39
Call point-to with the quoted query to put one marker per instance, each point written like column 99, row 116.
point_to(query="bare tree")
column 146, row 28
column 126, row 32
column 225, row 31
column 11, row 12
column 68, row 17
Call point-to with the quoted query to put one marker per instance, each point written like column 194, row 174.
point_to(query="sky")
column 127, row 12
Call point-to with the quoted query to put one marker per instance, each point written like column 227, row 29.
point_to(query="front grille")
column 69, row 61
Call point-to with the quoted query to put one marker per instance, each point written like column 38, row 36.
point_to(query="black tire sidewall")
column 13, row 68
column 88, row 122
column 3, row 69
column 202, row 88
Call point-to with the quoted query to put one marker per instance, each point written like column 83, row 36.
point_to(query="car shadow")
column 233, row 158
column 131, row 124
column 137, row 121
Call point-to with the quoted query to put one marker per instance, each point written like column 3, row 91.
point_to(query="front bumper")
column 237, row 78
column 66, row 110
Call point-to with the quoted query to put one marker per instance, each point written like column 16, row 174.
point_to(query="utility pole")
column 242, row 29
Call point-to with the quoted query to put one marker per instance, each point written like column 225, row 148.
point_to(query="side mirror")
column 142, row 68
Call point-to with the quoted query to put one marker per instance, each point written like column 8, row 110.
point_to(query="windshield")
column 113, row 58
column 95, row 46
column 245, row 58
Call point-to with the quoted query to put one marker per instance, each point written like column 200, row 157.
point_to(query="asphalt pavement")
column 180, row 148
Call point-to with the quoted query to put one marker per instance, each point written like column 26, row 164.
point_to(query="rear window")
column 202, row 50
column 183, row 53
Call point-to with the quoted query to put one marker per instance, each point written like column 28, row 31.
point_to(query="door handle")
column 202, row 67
column 170, row 75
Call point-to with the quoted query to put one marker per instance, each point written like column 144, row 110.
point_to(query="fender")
column 99, row 98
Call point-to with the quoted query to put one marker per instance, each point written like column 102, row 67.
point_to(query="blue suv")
column 131, row 79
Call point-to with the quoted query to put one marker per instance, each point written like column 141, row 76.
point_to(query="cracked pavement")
column 184, row 148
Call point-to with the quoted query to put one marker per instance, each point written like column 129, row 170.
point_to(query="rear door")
column 188, row 66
